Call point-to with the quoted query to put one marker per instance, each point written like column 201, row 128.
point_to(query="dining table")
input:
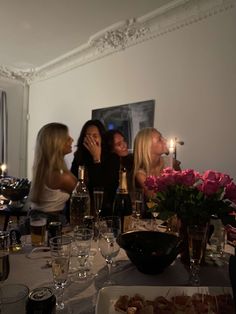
column 31, row 266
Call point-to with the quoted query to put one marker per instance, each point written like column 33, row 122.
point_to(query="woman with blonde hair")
column 52, row 182
column 149, row 147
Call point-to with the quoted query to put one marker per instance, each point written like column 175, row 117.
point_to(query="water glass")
column 83, row 240
column 60, row 252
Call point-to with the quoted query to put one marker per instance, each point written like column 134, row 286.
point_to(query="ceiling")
column 36, row 32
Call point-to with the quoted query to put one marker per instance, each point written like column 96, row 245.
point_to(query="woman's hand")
column 94, row 147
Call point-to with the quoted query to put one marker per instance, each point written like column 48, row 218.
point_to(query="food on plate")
column 181, row 304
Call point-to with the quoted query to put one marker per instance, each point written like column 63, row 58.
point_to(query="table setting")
column 81, row 268
column 32, row 267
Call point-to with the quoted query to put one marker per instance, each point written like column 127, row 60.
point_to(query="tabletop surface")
column 31, row 269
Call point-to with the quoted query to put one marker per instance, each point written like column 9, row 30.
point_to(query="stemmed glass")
column 196, row 242
column 60, row 252
column 108, row 248
column 98, row 199
column 138, row 203
column 83, row 240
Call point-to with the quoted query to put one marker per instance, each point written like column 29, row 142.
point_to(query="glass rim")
column 67, row 239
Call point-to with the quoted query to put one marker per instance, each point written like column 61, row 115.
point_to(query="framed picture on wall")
column 128, row 118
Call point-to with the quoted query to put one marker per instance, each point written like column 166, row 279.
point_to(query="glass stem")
column 109, row 263
column 194, row 278
column 60, row 297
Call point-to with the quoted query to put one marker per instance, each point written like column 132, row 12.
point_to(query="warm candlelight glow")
column 3, row 167
column 171, row 146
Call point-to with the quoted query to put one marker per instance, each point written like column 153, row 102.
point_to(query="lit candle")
column 171, row 152
column 3, row 169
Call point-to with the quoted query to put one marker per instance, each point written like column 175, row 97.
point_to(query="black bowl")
column 150, row 251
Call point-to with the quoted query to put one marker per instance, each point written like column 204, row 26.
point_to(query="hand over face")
column 93, row 146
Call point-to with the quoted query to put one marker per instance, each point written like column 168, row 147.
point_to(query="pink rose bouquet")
column 191, row 195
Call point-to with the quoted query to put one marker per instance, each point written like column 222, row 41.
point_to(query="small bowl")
column 150, row 251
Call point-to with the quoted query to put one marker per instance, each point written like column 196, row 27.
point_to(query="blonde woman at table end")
column 52, row 182
column 149, row 148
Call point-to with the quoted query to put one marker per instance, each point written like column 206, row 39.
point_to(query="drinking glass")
column 110, row 221
column 138, row 203
column 98, row 199
column 196, row 243
column 38, row 223
column 60, row 252
column 83, row 240
column 108, row 248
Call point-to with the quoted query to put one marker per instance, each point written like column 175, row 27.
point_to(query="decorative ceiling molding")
column 24, row 77
column 171, row 17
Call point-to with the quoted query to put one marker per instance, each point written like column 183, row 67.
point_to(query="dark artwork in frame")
column 128, row 118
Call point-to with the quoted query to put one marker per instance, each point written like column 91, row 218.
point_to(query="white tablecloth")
column 82, row 296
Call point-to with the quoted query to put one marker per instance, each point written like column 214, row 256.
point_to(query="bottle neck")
column 81, row 173
column 123, row 186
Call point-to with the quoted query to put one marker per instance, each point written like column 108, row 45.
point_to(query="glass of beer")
column 38, row 229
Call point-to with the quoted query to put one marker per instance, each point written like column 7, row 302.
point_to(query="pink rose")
column 211, row 175
column 230, row 192
column 224, row 179
column 209, row 187
column 188, row 177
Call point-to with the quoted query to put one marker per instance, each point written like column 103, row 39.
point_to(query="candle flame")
column 3, row 167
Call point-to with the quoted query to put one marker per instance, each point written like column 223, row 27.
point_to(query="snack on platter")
column 197, row 303
column 164, row 299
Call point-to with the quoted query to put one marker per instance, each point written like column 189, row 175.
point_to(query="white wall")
column 17, row 100
column 191, row 74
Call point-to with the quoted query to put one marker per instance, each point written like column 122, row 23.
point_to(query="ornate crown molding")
column 168, row 18
column 25, row 77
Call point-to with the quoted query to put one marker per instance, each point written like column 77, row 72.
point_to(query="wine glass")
column 83, row 240
column 60, row 247
column 196, row 242
column 98, row 199
column 138, row 203
column 108, row 248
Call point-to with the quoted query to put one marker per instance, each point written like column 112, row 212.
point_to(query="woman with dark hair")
column 91, row 153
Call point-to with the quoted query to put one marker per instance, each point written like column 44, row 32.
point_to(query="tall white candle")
column 171, row 152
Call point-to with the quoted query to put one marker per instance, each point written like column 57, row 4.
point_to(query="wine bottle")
column 80, row 200
column 122, row 203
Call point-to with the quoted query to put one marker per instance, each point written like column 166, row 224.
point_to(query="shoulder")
column 64, row 181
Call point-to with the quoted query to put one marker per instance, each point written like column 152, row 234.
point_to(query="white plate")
column 107, row 296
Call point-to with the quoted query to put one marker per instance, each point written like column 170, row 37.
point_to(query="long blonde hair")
column 142, row 150
column 48, row 156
